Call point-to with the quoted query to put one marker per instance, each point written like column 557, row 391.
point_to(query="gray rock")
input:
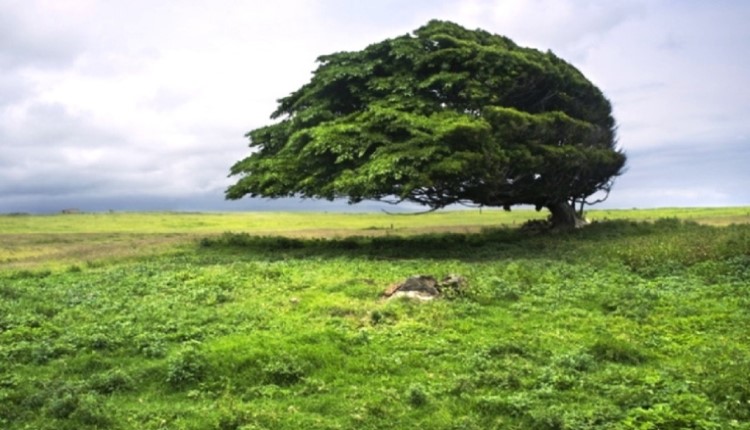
column 453, row 282
column 425, row 287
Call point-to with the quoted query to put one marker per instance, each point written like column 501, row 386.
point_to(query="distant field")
column 276, row 321
column 28, row 241
column 254, row 222
column 709, row 216
column 59, row 240
column 308, row 223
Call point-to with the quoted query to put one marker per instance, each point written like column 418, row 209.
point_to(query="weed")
column 187, row 367
column 417, row 396
column 63, row 404
column 680, row 411
column 515, row 405
column 384, row 316
column 515, row 347
column 579, row 361
column 151, row 345
column 615, row 350
column 30, row 274
column 90, row 411
column 111, row 381
column 618, row 325
column 284, row 370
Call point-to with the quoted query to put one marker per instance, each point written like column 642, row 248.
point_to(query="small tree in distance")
column 442, row 116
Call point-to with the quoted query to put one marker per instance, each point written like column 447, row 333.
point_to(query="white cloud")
column 132, row 103
column 153, row 98
column 568, row 27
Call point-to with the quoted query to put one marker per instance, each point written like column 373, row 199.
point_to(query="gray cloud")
column 34, row 37
column 143, row 105
column 13, row 89
column 686, row 174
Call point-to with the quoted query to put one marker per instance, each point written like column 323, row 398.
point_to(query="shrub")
column 63, row 404
column 112, row 381
column 617, row 351
column 579, row 361
column 91, row 412
column 547, row 418
column 515, row 405
column 678, row 412
column 151, row 346
column 283, row 370
column 498, row 379
column 417, row 396
column 514, row 347
column 384, row 316
column 187, row 367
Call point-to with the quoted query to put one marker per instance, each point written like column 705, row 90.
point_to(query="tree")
column 442, row 116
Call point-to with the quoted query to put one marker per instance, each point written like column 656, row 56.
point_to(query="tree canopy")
column 442, row 116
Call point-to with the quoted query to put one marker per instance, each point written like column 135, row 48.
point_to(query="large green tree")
column 442, row 116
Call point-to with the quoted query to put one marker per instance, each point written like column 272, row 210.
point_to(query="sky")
column 143, row 105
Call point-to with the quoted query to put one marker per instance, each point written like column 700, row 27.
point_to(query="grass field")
column 276, row 321
column 55, row 241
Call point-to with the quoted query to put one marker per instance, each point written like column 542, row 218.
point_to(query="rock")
column 425, row 287
column 453, row 282
column 420, row 287
column 417, row 295
column 421, row 284
column 391, row 290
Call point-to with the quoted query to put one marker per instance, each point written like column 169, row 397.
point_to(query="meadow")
column 277, row 321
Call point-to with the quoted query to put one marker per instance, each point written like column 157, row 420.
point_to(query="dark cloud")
column 48, row 185
column 50, row 151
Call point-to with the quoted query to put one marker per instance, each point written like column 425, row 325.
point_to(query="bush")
column 617, row 351
column 187, row 367
column 283, row 370
column 63, row 404
column 680, row 411
column 515, row 405
column 417, row 396
column 112, row 381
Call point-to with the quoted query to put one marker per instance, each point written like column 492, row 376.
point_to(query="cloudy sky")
column 143, row 105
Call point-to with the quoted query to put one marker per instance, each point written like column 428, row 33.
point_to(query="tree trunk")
column 564, row 216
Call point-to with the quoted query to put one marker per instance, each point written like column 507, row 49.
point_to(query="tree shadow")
column 487, row 245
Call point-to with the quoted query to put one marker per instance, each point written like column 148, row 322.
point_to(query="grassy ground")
column 622, row 325
column 304, row 223
column 54, row 241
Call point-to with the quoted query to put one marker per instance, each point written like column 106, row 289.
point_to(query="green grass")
column 316, row 224
column 710, row 216
column 54, row 241
column 258, row 222
column 622, row 325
